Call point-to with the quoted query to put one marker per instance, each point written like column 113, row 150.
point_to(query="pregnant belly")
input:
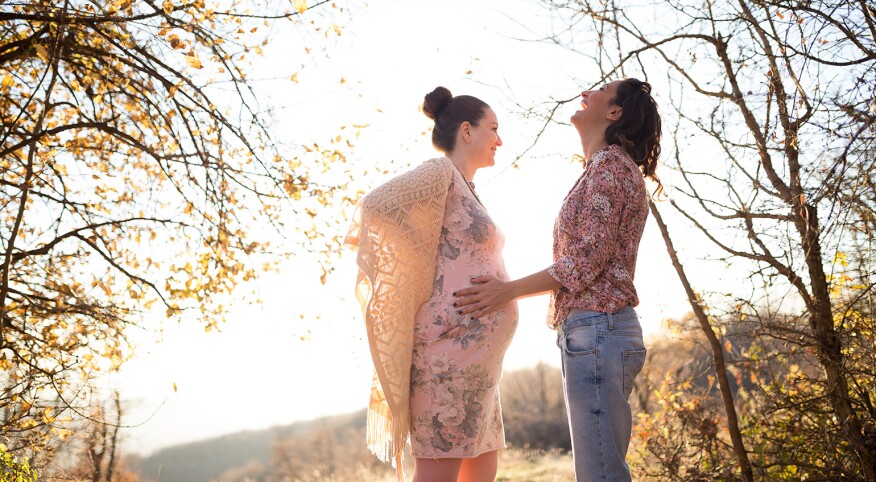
column 439, row 320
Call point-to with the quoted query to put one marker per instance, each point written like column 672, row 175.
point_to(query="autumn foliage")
column 139, row 179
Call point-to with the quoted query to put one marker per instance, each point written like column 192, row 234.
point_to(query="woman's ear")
column 465, row 132
column 614, row 113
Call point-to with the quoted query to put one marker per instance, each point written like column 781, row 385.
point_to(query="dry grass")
column 515, row 465
column 534, row 466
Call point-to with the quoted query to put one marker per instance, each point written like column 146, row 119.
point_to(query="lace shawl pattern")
column 396, row 230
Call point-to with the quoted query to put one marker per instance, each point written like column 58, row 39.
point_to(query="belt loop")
column 610, row 322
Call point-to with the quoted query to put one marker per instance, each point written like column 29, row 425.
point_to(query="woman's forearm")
column 488, row 294
column 533, row 284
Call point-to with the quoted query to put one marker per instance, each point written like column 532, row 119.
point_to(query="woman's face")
column 485, row 138
column 597, row 107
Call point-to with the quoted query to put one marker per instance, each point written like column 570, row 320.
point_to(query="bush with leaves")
column 14, row 470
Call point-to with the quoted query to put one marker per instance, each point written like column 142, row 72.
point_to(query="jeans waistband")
column 626, row 313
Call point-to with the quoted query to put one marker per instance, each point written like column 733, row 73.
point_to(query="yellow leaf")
column 300, row 5
column 336, row 28
column 168, row 7
column 194, row 62
column 42, row 52
column 779, row 14
column 174, row 387
column 7, row 81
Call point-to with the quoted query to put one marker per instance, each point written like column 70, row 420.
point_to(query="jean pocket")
column 580, row 340
column 634, row 360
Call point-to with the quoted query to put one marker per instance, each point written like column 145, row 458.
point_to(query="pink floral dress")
column 457, row 360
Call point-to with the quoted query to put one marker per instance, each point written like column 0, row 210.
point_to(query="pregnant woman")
column 421, row 237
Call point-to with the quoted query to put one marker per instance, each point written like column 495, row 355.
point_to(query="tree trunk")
column 717, row 351
column 828, row 343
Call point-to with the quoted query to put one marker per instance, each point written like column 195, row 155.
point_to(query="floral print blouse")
column 596, row 237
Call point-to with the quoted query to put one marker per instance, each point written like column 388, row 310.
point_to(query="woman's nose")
column 498, row 140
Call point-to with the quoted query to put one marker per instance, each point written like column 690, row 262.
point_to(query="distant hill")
column 207, row 460
column 333, row 449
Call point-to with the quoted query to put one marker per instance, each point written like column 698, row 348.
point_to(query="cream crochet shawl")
column 396, row 230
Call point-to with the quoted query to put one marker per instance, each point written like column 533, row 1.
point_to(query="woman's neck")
column 592, row 146
column 465, row 166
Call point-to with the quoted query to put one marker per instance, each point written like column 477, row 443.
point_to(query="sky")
column 302, row 353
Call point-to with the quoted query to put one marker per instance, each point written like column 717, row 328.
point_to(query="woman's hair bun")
column 436, row 101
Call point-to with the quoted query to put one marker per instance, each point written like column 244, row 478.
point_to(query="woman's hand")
column 488, row 294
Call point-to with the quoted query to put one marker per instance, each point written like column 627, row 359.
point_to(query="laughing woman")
column 422, row 236
column 596, row 240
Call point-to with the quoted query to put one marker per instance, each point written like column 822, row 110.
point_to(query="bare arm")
column 490, row 294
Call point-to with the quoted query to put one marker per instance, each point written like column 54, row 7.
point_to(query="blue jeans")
column 601, row 355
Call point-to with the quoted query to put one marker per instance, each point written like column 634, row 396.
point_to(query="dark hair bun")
column 436, row 101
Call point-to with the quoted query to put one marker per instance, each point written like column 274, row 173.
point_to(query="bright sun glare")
column 264, row 368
